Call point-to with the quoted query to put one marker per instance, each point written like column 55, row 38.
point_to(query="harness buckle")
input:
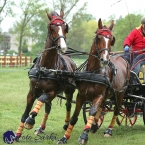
column 42, row 69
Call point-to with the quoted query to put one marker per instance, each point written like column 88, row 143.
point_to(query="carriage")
column 133, row 104
column 97, row 83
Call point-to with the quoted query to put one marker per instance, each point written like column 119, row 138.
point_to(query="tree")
column 40, row 31
column 82, row 30
column 123, row 27
column 40, row 27
column 29, row 12
column 5, row 9
column 24, row 46
column 90, row 29
column 68, row 7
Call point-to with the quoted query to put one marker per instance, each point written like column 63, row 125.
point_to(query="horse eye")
column 99, row 37
column 52, row 27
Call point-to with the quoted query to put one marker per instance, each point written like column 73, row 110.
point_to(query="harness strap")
column 64, row 62
column 115, row 92
column 58, row 38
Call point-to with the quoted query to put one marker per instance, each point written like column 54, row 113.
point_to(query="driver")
column 136, row 40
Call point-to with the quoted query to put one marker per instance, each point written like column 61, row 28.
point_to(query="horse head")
column 57, row 29
column 104, row 40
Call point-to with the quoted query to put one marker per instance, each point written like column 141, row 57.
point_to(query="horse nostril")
column 58, row 47
column 104, row 62
column 101, row 59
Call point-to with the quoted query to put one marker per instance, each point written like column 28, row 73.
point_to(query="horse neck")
column 93, row 62
column 49, row 43
column 49, row 58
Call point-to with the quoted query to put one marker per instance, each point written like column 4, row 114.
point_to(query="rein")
column 58, row 38
column 79, row 52
column 50, row 48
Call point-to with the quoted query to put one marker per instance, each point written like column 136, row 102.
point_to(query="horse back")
column 122, row 71
column 71, row 66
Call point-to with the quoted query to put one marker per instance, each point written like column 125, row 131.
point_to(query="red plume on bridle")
column 103, row 30
column 55, row 19
column 106, row 31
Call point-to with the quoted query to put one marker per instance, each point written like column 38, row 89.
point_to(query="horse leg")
column 42, row 127
column 73, row 120
column 95, row 126
column 69, row 96
column 30, row 121
column 108, row 132
column 30, row 101
column 94, row 113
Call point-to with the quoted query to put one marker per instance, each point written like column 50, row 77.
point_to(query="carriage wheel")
column 86, row 109
column 126, row 117
column 144, row 113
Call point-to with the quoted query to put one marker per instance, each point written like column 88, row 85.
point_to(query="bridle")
column 105, row 33
column 57, row 21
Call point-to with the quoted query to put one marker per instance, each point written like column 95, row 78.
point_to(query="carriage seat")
column 138, row 66
column 134, row 79
column 142, row 74
column 142, row 69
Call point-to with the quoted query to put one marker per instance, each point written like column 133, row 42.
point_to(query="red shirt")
column 136, row 40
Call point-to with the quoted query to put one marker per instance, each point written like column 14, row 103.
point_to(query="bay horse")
column 103, row 77
column 44, row 85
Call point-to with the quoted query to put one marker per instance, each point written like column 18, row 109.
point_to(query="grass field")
column 14, row 85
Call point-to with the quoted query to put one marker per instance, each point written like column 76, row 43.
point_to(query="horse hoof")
column 29, row 123
column 39, row 130
column 62, row 141
column 65, row 127
column 108, row 133
column 16, row 139
column 28, row 126
column 94, row 128
column 83, row 139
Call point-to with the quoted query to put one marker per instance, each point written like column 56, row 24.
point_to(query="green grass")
column 14, row 85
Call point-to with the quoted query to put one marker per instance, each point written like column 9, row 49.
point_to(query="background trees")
column 5, row 10
column 29, row 12
column 123, row 26
column 32, row 23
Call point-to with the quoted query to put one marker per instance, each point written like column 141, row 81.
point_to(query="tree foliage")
column 40, row 31
column 69, row 7
column 24, row 46
column 122, row 28
column 5, row 9
column 81, row 32
column 29, row 12
column 33, row 23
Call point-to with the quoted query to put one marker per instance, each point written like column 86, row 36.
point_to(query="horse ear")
column 49, row 16
column 111, row 25
column 61, row 13
column 100, row 26
column 113, row 41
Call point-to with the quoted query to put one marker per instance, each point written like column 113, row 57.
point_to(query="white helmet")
column 143, row 20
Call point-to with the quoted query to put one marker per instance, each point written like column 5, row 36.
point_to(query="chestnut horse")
column 44, row 85
column 103, row 77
